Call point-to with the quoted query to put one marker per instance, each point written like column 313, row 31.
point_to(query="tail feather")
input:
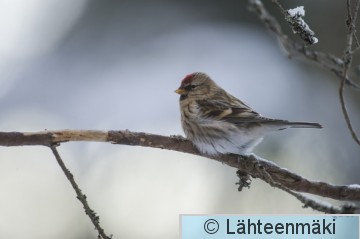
column 280, row 124
column 304, row 125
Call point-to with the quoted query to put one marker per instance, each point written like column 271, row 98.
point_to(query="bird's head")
column 196, row 84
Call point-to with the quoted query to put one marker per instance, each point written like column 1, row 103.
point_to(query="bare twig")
column 294, row 49
column 348, row 54
column 82, row 197
column 282, row 9
column 353, row 20
column 247, row 164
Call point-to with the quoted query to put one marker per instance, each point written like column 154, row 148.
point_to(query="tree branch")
column 248, row 164
column 294, row 49
column 317, row 205
column 339, row 66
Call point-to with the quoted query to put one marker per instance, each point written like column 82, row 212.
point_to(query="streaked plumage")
column 218, row 123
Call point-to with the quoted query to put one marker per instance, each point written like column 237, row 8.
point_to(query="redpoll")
column 218, row 123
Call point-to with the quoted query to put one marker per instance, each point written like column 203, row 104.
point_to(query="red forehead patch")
column 187, row 80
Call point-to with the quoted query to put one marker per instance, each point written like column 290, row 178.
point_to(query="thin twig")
column 82, row 197
column 282, row 9
column 348, row 54
column 353, row 21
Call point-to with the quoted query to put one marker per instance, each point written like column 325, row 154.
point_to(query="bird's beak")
column 180, row 91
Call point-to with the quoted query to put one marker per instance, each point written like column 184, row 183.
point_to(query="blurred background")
column 114, row 65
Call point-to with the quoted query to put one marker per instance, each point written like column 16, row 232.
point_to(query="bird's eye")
column 190, row 87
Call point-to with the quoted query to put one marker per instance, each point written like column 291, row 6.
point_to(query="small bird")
column 218, row 123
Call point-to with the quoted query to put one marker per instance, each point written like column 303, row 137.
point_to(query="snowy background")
column 114, row 65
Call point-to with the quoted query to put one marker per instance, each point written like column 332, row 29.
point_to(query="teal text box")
column 269, row 226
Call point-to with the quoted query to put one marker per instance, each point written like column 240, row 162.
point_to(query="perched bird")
column 218, row 123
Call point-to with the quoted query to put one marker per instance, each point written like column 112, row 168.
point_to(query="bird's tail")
column 304, row 125
column 284, row 124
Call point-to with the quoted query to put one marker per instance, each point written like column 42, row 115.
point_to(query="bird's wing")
column 226, row 109
column 232, row 111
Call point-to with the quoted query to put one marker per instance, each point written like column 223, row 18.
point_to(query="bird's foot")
column 178, row 137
